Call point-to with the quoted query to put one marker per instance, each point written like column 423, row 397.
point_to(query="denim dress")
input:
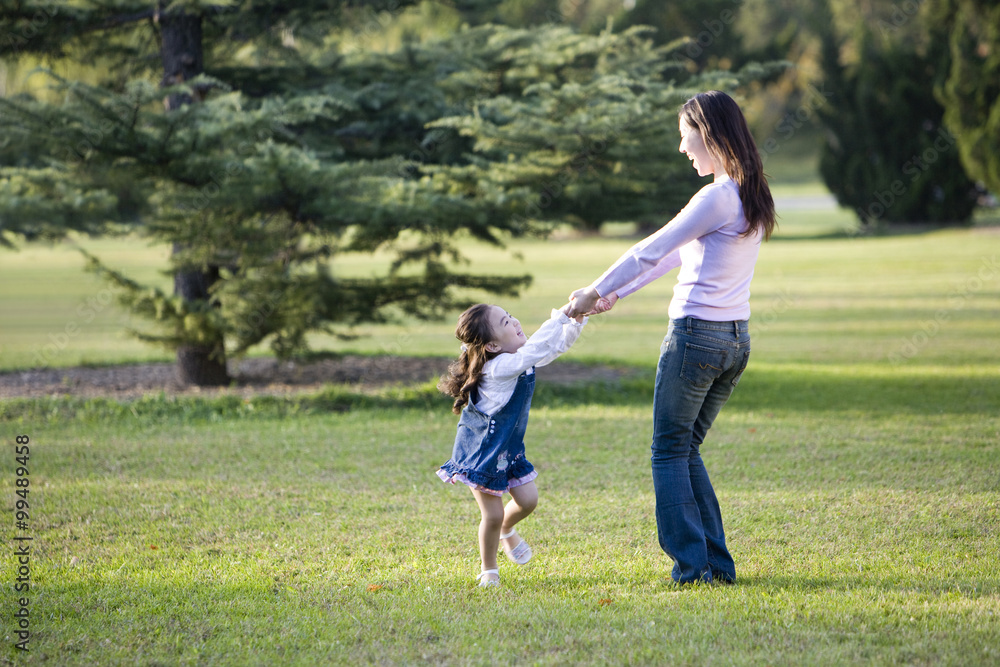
column 489, row 450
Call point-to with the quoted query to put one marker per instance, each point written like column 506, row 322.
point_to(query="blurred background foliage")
column 263, row 142
column 949, row 48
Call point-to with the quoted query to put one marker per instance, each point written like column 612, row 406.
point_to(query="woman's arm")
column 711, row 208
column 664, row 266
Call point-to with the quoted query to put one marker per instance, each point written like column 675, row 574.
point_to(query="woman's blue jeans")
column 700, row 364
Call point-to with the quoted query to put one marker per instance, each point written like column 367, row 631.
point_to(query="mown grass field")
column 858, row 467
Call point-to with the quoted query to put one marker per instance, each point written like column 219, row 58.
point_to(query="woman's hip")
column 735, row 333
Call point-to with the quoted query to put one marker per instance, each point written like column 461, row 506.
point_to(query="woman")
column 715, row 240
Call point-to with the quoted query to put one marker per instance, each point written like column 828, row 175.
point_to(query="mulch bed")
column 262, row 376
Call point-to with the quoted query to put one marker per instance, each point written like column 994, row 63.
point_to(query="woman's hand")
column 582, row 301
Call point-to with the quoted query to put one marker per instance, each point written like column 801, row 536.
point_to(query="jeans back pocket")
column 702, row 365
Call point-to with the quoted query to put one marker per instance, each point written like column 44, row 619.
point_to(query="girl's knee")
column 528, row 504
column 526, row 498
column 492, row 521
column 492, row 513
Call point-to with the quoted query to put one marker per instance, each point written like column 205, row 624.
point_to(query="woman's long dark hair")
column 724, row 130
column 475, row 331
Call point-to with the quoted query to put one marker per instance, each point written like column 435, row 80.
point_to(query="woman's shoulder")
column 723, row 188
column 721, row 201
column 722, row 196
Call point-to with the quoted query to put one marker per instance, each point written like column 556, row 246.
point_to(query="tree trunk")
column 181, row 53
column 202, row 365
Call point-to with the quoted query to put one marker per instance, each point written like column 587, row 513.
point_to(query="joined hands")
column 587, row 301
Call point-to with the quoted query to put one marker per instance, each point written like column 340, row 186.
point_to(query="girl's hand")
column 604, row 304
column 567, row 310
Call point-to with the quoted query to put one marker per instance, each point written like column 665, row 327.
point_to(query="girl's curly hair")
column 475, row 332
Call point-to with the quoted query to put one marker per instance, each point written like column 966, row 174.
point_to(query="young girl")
column 492, row 383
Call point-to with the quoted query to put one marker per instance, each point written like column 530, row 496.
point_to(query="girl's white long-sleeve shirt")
column 499, row 376
column 706, row 240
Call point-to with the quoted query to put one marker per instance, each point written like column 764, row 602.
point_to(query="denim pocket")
column 702, row 365
column 742, row 366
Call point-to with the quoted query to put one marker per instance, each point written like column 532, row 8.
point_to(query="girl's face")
column 507, row 333
column 694, row 147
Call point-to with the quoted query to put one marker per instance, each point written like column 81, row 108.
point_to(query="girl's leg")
column 523, row 501
column 492, row 511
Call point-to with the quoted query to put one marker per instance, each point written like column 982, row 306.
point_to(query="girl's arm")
column 554, row 337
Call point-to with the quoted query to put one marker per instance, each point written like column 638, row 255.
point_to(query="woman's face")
column 694, row 147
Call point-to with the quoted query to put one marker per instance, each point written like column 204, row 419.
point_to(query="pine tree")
column 262, row 165
column 582, row 127
column 971, row 93
column 255, row 190
column 888, row 155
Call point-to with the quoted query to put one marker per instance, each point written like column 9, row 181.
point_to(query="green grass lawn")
column 858, row 468
column 863, row 516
